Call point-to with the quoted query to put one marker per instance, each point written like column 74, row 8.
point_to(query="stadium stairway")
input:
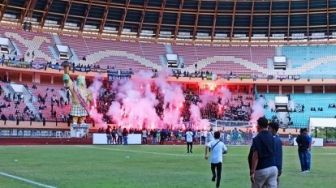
column 53, row 52
column 169, row 49
column 18, row 51
column 74, row 57
column 29, row 103
column 33, row 45
column 5, row 89
column 56, row 39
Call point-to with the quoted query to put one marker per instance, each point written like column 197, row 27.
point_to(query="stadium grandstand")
column 116, row 72
column 249, row 47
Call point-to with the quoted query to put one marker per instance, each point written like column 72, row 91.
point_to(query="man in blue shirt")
column 304, row 146
column 273, row 127
column 263, row 172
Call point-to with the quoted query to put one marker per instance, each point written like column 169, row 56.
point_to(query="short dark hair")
column 262, row 122
column 217, row 135
column 274, row 126
column 303, row 130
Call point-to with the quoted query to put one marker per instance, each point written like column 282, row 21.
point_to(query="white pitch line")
column 136, row 151
column 26, row 180
column 185, row 155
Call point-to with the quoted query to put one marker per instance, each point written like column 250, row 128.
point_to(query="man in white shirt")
column 210, row 136
column 217, row 148
column 144, row 136
column 189, row 139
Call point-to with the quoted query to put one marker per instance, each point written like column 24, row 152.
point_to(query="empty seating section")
column 188, row 53
column 77, row 44
column 310, row 60
column 257, row 55
column 94, row 46
column 227, row 67
column 152, row 52
column 301, row 55
column 323, row 70
column 98, row 51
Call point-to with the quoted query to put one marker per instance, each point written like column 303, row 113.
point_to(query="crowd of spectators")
column 52, row 106
column 49, row 105
column 163, row 136
column 13, row 107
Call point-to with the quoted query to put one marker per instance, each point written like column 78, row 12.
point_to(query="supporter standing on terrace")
column 189, row 140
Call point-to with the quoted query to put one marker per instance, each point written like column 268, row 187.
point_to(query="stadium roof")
column 185, row 20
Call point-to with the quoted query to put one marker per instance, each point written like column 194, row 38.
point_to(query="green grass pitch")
column 148, row 167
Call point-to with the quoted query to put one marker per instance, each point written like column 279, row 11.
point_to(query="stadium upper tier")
column 299, row 56
column 237, row 60
column 181, row 20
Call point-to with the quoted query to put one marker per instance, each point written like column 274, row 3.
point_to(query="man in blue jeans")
column 304, row 146
column 273, row 127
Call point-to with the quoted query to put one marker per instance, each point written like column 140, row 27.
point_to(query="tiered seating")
column 104, row 52
column 7, row 111
column 76, row 43
column 268, row 97
column 31, row 41
column 55, row 91
column 311, row 61
column 188, row 53
column 316, row 101
column 256, row 55
column 299, row 56
column 309, row 101
column 140, row 56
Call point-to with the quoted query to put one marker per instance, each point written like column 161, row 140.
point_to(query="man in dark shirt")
column 273, row 127
column 263, row 171
column 109, row 134
column 304, row 145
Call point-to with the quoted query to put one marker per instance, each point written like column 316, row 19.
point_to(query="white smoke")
column 291, row 105
column 258, row 109
column 283, row 118
column 271, row 105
